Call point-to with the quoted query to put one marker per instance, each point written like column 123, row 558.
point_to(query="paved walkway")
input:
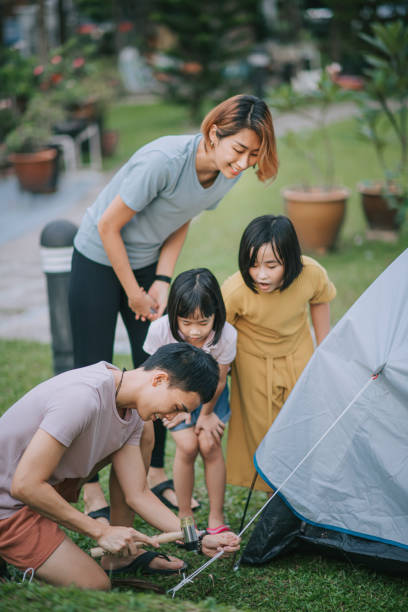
column 23, row 293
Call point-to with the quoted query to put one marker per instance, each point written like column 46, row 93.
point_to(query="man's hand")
column 124, row 540
column 228, row 541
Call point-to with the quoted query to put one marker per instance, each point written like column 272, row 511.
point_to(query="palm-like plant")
column 314, row 106
column 384, row 107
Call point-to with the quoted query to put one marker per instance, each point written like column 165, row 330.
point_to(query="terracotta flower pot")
column 37, row 172
column 380, row 216
column 317, row 215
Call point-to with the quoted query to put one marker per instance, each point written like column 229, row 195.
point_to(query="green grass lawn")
column 296, row 581
column 311, row 583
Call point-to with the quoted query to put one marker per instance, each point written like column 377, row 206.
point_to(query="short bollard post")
column 56, row 243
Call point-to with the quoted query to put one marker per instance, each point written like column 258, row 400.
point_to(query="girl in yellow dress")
column 268, row 302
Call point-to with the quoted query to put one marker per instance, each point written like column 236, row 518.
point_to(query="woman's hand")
column 159, row 292
column 143, row 305
column 210, row 424
column 228, row 542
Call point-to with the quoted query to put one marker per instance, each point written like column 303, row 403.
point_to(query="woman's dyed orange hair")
column 238, row 113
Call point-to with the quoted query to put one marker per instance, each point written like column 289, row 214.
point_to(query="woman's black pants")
column 96, row 297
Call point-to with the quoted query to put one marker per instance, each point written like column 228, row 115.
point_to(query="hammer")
column 162, row 538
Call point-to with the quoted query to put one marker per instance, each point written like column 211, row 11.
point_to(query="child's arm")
column 320, row 314
column 208, row 420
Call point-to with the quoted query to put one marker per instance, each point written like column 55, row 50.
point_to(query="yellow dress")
column 274, row 345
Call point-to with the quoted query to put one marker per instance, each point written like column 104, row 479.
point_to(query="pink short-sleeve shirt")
column 78, row 409
column 224, row 351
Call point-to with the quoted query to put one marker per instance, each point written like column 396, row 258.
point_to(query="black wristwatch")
column 163, row 277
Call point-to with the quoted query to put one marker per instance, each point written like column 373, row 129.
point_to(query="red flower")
column 38, row 70
column 56, row 59
column 162, row 76
column 86, row 28
column 56, row 78
column 125, row 26
column 192, row 68
column 78, row 62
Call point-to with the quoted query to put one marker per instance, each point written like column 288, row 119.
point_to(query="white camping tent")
column 339, row 447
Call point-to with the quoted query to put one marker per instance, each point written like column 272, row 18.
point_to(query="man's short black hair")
column 279, row 232
column 189, row 368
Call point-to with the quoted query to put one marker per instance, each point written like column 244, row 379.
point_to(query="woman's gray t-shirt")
column 160, row 183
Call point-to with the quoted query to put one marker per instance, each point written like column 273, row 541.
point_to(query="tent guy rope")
column 190, row 578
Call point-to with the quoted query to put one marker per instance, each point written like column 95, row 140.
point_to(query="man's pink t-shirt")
column 78, row 409
column 224, row 351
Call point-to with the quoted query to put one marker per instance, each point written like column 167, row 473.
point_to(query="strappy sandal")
column 142, row 563
column 159, row 489
column 101, row 513
column 218, row 530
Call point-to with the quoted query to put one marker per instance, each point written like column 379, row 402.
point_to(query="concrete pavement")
column 23, row 291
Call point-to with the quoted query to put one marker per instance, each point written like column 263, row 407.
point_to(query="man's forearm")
column 150, row 508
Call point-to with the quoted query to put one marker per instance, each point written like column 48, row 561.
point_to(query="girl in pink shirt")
column 196, row 314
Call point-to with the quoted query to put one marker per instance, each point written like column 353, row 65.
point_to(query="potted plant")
column 35, row 161
column 316, row 206
column 383, row 121
column 86, row 100
column 17, row 78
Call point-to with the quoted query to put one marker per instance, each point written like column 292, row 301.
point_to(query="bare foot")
column 215, row 520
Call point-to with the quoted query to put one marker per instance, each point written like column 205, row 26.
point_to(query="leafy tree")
column 341, row 40
column 133, row 13
column 208, row 36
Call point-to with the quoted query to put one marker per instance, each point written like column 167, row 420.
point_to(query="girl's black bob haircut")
column 280, row 233
column 193, row 290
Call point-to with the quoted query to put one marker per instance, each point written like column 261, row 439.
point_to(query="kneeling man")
column 66, row 429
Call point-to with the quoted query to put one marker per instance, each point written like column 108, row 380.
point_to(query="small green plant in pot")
column 317, row 204
column 383, row 121
column 34, row 159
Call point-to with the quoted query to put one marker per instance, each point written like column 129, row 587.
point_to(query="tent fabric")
column 280, row 531
column 355, row 481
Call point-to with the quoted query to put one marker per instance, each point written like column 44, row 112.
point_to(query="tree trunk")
column 42, row 32
column 62, row 22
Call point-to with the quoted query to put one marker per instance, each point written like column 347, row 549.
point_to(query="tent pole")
column 234, row 565
column 248, row 500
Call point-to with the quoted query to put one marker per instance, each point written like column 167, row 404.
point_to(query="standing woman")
column 130, row 238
